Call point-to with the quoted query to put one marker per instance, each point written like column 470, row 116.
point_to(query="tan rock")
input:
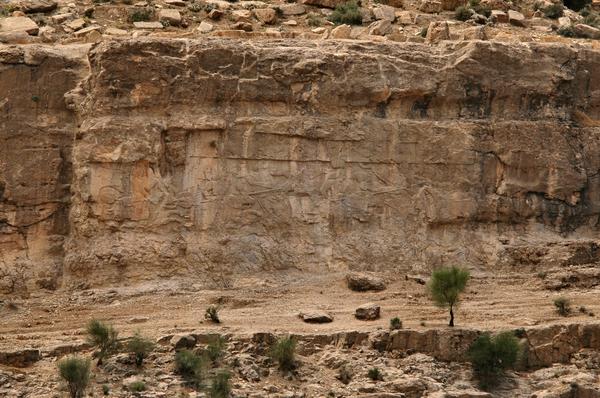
column 430, row 6
column 205, row 27
column 215, row 14
column 380, row 28
column 35, row 6
column 368, row 312
column 76, row 24
column 148, row 25
column 341, row 32
column 292, row 9
column 385, row 12
column 451, row 5
column 170, row 16
column 587, row 31
column 499, row 16
column 18, row 24
column 265, row 15
column 115, row 32
column 516, row 18
column 438, row 31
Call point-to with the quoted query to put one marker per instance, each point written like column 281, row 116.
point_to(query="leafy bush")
column 345, row 374
column 395, row 323
column 220, row 386
column 284, row 352
column 212, row 314
column 314, row 20
column 491, row 356
column 137, row 386
column 445, row 287
column 375, row 374
column 346, row 13
column 520, row 333
column 140, row 348
column 553, row 11
column 592, row 19
column 214, row 349
column 105, row 389
column 190, row 366
column 75, row 371
column 563, row 306
column 462, row 13
column 567, row 31
column 103, row 337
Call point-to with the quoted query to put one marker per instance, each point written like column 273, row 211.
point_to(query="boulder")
column 170, row 16
column 35, row 6
column 587, row 31
column 316, row 316
column 148, row 25
column 215, row 14
column 76, row 24
column 438, row 31
column 499, row 16
column 205, row 27
column 245, row 26
column 359, row 281
column 265, row 15
column 516, row 18
column 19, row 24
column 180, row 341
column 341, row 32
column 368, row 312
column 430, row 6
column 404, row 18
column 385, row 13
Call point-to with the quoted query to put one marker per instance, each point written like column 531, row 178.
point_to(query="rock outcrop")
column 190, row 157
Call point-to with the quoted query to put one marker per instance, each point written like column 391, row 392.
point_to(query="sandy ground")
column 272, row 304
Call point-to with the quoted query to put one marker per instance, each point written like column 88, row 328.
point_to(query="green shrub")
column 103, row 337
column 284, row 352
column 346, row 13
column 105, row 389
column 75, row 371
column 395, row 323
column 592, row 19
column 567, row 31
column 214, row 349
column 140, row 348
column 462, row 13
column 375, row 374
column 212, row 314
column 314, row 20
column 445, row 287
column 137, row 386
column 483, row 10
column 220, row 386
column 423, row 31
column 491, row 356
column 553, row 11
column 563, row 306
column 345, row 374
column 141, row 15
column 190, row 366
column 520, row 333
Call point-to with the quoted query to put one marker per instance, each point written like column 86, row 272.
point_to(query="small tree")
column 75, row 371
column 220, row 386
column 284, row 352
column 446, row 285
column 491, row 356
column 212, row 314
column 104, row 337
column 190, row 366
column 563, row 306
column 140, row 347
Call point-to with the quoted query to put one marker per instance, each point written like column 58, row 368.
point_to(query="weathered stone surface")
column 362, row 282
column 430, row 6
column 205, row 27
column 20, row 358
column 265, row 15
column 587, row 31
column 33, row 6
column 516, row 18
column 380, row 28
column 368, row 312
column 148, row 25
column 170, row 16
column 499, row 16
column 434, row 169
column 341, row 32
column 292, row 9
column 18, row 24
column 438, row 31
column 451, row 5
column 316, row 316
column 385, row 12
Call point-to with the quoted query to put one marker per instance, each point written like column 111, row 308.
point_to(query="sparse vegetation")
column 105, row 389
column 214, row 349
column 520, row 333
column 375, row 374
column 563, row 306
column 423, row 32
column 75, row 371
column 137, row 386
column 220, row 386
column 103, row 337
column 347, row 13
column 140, row 348
column 445, row 287
column 566, row 31
column 314, row 20
column 284, row 353
column 190, row 366
column 553, row 11
column 212, row 314
column 491, row 356
column 462, row 13
column 141, row 15
column 395, row 323
column 345, row 374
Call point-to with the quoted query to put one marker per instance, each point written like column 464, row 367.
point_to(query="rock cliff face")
column 222, row 156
